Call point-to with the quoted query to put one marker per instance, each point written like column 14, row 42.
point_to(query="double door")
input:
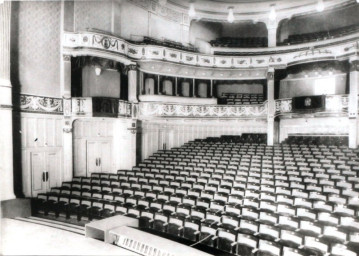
column 45, row 169
column 99, row 156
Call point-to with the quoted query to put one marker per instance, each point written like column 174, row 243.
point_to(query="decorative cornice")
column 39, row 104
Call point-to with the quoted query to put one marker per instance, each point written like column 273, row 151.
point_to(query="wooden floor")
column 19, row 237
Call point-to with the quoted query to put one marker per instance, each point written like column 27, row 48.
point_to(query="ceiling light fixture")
column 272, row 13
column 98, row 71
column 191, row 11
column 230, row 17
column 320, row 6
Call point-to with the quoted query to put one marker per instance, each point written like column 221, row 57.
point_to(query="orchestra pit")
column 179, row 127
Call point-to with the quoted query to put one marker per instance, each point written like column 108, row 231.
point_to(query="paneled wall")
column 156, row 135
column 35, row 42
column 123, row 143
column 40, row 134
column 317, row 125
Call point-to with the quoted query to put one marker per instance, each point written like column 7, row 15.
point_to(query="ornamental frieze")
column 278, row 58
column 148, row 109
column 41, row 104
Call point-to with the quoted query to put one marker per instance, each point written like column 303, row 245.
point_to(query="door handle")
column 99, row 161
column 43, row 176
column 47, row 176
column 96, row 161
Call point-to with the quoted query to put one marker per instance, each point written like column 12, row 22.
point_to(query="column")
column 132, row 83
column 211, row 89
column 6, row 142
column 353, row 101
column 141, row 83
column 194, row 88
column 132, row 98
column 272, row 33
column 271, row 107
column 67, row 126
column 176, row 87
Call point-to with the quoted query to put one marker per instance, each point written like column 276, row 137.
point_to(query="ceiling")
column 252, row 9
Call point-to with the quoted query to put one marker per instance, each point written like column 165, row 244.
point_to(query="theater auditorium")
column 179, row 127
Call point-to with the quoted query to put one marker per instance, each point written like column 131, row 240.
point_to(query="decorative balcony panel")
column 333, row 104
column 280, row 56
column 47, row 105
column 150, row 109
column 100, row 107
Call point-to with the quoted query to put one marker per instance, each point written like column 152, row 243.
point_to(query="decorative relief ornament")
column 41, row 104
column 174, row 110
column 66, row 57
column 270, row 75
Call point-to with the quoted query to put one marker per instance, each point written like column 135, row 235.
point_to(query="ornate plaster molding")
column 147, row 109
column 40, row 104
column 105, row 46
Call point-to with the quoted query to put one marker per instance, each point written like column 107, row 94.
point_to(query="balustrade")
column 333, row 104
column 150, row 109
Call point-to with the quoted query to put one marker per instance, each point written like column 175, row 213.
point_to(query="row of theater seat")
column 319, row 36
column 168, row 43
column 216, row 192
column 318, row 140
column 240, row 42
column 240, row 99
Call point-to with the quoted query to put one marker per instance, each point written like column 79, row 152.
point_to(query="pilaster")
column 6, row 132
column 353, row 101
column 271, row 107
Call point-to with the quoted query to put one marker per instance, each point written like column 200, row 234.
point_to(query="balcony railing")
column 104, row 44
column 337, row 104
column 100, row 107
column 151, row 109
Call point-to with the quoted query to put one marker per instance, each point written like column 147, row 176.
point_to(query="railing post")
column 353, row 101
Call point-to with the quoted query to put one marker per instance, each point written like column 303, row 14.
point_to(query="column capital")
column 354, row 64
column 131, row 67
column 270, row 73
column 66, row 57
column 272, row 25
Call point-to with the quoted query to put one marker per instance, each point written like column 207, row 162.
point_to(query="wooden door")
column 38, row 169
column 52, row 169
column 93, row 164
column 105, row 156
